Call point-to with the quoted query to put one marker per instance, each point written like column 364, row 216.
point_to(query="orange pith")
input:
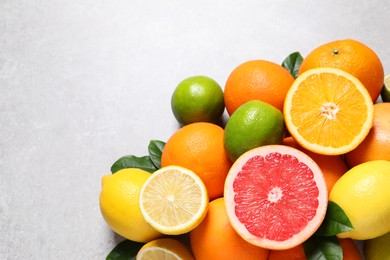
column 328, row 111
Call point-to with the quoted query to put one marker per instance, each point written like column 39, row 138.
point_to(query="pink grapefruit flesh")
column 275, row 196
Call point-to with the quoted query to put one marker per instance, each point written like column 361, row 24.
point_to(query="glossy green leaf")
column 323, row 248
column 335, row 222
column 125, row 250
column 131, row 161
column 292, row 63
column 155, row 151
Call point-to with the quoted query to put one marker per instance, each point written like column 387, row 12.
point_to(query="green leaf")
column 125, row 250
column 131, row 161
column 292, row 63
column 323, row 248
column 155, row 151
column 335, row 222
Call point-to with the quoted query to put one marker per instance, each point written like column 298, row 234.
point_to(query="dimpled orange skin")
column 351, row 56
column 257, row 80
column 216, row 239
column 200, row 148
column 376, row 146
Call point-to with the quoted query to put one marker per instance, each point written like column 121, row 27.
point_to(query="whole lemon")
column 253, row 124
column 119, row 204
column 364, row 195
column 377, row 248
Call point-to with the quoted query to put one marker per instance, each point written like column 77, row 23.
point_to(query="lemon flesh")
column 164, row 249
column 174, row 200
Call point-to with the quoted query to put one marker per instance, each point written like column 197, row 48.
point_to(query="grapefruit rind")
column 312, row 225
column 316, row 147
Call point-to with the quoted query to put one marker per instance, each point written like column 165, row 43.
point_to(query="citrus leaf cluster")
column 324, row 244
column 292, row 63
column 125, row 250
column 149, row 163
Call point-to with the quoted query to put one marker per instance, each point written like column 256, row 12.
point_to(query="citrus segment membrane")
column 328, row 111
column 173, row 200
column 275, row 196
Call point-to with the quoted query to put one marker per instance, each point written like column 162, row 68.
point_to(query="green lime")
column 385, row 94
column 377, row 248
column 197, row 99
column 253, row 124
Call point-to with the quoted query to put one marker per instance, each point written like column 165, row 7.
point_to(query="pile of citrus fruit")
column 299, row 170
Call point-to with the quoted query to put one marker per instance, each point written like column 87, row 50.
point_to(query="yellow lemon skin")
column 363, row 193
column 119, row 204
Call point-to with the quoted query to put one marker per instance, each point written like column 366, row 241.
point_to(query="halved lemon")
column 328, row 111
column 164, row 249
column 174, row 200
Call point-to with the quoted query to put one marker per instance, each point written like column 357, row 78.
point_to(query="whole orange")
column 376, row 146
column 216, row 239
column 257, row 80
column 332, row 166
column 351, row 56
column 200, row 148
column 350, row 252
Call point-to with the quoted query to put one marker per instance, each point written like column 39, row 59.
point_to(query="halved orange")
column 328, row 111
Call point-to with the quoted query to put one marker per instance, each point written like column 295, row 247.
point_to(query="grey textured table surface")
column 84, row 82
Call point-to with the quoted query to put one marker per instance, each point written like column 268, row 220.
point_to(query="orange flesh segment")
column 336, row 114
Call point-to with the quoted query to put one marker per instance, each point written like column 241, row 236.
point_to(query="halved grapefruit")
column 275, row 196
